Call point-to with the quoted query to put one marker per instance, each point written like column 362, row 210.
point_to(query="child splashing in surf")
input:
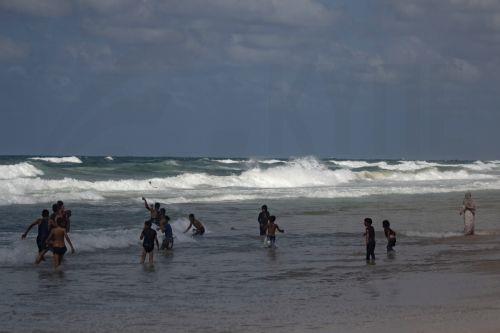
column 198, row 228
column 148, row 236
column 390, row 235
column 271, row 231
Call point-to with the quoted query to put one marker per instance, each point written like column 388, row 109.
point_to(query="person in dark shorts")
column 271, row 231
column 390, row 235
column 166, row 229
column 198, row 228
column 263, row 219
column 369, row 239
column 56, row 239
column 148, row 237
column 43, row 233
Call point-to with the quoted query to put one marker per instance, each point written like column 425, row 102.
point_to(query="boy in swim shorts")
column 56, row 239
column 271, row 231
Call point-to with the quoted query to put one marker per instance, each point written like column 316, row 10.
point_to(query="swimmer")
column 199, row 229
column 43, row 234
column 148, row 236
column 56, row 239
column 390, row 235
column 271, row 231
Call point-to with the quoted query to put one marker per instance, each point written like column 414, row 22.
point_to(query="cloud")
column 11, row 50
column 45, row 8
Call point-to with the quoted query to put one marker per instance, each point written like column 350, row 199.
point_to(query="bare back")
column 58, row 235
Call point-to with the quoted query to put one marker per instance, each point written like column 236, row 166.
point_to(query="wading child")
column 390, row 235
column 369, row 239
column 56, row 239
column 271, row 231
column 148, row 236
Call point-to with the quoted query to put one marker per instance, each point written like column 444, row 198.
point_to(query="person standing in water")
column 43, row 233
column 469, row 212
column 263, row 220
column 148, row 237
column 199, row 229
column 271, row 231
column 153, row 210
column 166, row 229
column 390, row 235
column 369, row 239
column 56, row 239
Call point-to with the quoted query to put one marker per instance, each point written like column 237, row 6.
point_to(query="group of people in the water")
column 162, row 221
column 53, row 230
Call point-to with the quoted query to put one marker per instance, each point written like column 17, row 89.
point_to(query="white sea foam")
column 227, row 161
column 271, row 161
column 58, row 160
column 22, row 252
column 20, row 170
column 305, row 177
column 109, row 158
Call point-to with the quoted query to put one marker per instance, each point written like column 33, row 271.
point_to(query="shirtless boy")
column 271, row 230
column 199, row 229
column 56, row 239
column 153, row 210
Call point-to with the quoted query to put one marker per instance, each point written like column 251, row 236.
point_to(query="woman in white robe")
column 469, row 212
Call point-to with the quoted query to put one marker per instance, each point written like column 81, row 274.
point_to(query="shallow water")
column 226, row 281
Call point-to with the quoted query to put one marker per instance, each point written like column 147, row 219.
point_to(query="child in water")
column 271, row 231
column 390, row 235
column 148, row 235
column 369, row 239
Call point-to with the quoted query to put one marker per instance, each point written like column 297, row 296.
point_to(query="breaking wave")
column 23, row 183
column 20, row 170
column 58, row 160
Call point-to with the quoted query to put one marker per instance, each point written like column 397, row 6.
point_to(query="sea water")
column 228, row 281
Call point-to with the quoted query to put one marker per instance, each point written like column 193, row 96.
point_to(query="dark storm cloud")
column 358, row 79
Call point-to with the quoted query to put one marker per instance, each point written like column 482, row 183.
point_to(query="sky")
column 346, row 79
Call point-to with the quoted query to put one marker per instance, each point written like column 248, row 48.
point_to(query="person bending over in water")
column 43, row 233
column 369, row 239
column 166, row 229
column 390, row 235
column 153, row 210
column 199, row 229
column 263, row 220
column 271, row 230
column 148, row 237
column 57, row 238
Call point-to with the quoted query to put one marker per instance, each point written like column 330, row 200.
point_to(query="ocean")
column 227, row 281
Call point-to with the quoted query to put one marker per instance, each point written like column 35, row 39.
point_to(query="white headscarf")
column 469, row 202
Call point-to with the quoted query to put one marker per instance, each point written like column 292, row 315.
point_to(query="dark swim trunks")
column 41, row 243
column 59, row 250
column 148, row 247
